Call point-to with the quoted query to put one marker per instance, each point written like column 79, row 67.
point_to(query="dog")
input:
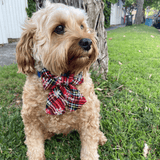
column 55, row 52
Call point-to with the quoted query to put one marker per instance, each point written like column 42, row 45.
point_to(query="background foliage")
column 107, row 10
column 31, row 8
column 107, row 7
column 151, row 3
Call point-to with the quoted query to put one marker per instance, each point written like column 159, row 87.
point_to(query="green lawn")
column 130, row 114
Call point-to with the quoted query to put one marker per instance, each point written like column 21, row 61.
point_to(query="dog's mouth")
column 78, row 59
column 85, row 55
column 76, row 52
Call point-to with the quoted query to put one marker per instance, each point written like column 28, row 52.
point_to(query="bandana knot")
column 62, row 92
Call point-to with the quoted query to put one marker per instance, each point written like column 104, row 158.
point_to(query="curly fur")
column 40, row 47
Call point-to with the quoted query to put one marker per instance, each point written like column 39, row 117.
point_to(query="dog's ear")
column 24, row 51
column 48, row 3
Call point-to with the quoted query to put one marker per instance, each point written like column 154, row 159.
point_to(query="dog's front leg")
column 89, row 136
column 34, row 142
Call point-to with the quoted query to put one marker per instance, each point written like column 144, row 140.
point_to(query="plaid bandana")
column 62, row 92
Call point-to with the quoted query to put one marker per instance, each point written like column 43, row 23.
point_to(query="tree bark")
column 139, row 14
column 94, row 10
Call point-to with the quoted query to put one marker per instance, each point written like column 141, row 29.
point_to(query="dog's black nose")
column 85, row 43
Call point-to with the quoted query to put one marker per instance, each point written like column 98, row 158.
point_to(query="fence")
column 12, row 16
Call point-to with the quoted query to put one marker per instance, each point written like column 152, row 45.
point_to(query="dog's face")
column 57, row 38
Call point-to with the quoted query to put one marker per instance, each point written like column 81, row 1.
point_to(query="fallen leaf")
column 10, row 150
column 150, row 75
column 152, row 36
column 99, row 89
column 1, row 150
column 145, row 150
column 18, row 102
column 16, row 95
column 118, row 147
column 117, row 109
column 120, row 63
column 110, row 38
column 131, row 113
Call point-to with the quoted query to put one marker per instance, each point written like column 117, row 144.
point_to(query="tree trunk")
column 94, row 10
column 139, row 14
column 143, row 16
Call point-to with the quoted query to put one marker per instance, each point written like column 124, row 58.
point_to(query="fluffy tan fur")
column 40, row 47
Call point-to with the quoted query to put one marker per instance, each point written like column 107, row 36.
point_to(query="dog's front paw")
column 102, row 139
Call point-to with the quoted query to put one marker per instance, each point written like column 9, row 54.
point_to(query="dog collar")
column 39, row 74
column 62, row 93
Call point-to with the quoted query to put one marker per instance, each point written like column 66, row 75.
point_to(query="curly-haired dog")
column 55, row 51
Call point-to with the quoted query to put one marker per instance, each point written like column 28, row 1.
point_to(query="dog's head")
column 57, row 38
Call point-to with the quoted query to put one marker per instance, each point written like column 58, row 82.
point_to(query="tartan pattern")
column 62, row 92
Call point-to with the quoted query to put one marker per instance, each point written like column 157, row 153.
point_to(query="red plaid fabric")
column 62, row 92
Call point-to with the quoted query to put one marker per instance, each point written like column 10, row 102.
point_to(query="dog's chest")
column 34, row 103
column 35, row 93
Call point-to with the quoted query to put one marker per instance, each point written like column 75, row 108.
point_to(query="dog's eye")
column 59, row 29
column 81, row 26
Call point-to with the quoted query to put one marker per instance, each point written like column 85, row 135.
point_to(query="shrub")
column 31, row 7
column 107, row 12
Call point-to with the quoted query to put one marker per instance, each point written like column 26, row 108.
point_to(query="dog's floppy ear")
column 24, row 51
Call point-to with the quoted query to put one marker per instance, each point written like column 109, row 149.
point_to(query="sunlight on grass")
column 139, row 54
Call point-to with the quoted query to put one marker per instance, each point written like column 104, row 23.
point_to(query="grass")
column 129, row 109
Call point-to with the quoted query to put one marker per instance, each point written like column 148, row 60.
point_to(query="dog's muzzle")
column 85, row 44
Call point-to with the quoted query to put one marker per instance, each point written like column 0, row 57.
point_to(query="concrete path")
column 115, row 27
column 7, row 54
column 7, row 51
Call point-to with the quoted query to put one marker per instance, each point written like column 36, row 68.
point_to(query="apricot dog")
column 55, row 51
